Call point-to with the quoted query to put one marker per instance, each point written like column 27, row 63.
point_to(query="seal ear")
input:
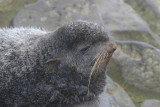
column 52, row 63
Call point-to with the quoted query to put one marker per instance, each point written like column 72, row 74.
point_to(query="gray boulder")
column 149, row 10
column 151, row 103
column 52, row 13
column 123, row 22
column 140, row 63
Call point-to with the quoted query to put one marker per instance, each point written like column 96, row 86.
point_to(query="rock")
column 118, row 16
column 55, row 13
column 1, row 1
column 59, row 11
column 8, row 9
column 141, row 36
column 121, row 97
column 151, row 103
column 126, row 25
column 140, row 64
column 149, row 10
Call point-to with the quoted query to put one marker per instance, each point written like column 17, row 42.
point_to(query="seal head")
column 83, row 50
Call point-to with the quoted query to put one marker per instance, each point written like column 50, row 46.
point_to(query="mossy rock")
column 149, row 11
column 9, row 8
column 137, row 95
column 151, row 103
column 142, row 36
column 51, row 14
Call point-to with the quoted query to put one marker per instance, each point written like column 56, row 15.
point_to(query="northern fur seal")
column 53, row 69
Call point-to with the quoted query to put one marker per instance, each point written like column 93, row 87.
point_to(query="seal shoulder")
column 16, row 41
column 12, row 38
column 21, row 34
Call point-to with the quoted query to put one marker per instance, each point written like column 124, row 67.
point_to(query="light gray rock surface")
column 50, row 14
column 151, row 103
column 149, row 10
column 140, row 63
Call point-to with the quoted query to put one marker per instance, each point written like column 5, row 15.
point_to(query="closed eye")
column 85, row 48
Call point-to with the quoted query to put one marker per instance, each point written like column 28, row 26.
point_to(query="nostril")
column 114, row 48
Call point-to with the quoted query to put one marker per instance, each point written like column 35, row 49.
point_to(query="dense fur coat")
column 51, row 69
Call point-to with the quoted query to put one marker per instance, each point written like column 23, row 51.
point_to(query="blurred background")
column 134, row 71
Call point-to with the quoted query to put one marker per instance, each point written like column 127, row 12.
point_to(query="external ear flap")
column 52, row 63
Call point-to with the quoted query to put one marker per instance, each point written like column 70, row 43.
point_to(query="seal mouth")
column 108, row 57
column 101, row 60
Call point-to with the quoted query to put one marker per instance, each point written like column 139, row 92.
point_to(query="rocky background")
column 134, row 71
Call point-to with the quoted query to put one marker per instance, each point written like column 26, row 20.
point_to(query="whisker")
column 102, row 59
column 97, row 61
column 93, row 68
column 96, row 57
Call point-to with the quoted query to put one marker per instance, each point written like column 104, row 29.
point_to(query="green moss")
column 9, row 8
column 137, row 95
column 135, row 36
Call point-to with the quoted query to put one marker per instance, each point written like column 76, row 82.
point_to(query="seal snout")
column 106, row 55
column 112, row 47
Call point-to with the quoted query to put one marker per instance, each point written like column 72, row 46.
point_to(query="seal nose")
column 113, row 46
